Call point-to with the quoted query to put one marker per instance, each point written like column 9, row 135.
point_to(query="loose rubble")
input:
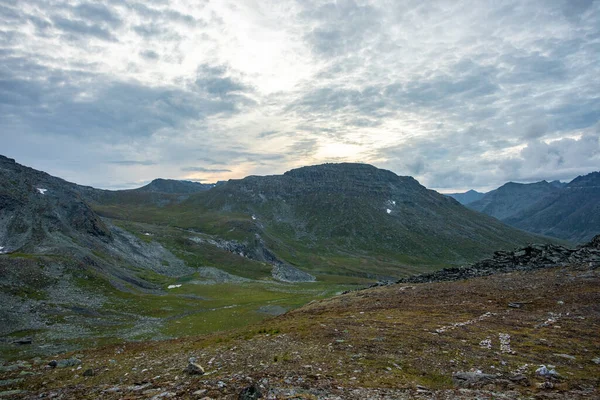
column 534, row 256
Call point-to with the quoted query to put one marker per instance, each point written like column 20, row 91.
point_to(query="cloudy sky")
column 459, row 94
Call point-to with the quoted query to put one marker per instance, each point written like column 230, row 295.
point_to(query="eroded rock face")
column 531, row 257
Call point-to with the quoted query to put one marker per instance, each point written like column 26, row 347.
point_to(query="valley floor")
column 481, row 338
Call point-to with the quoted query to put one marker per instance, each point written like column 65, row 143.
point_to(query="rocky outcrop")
column 258, row 251
column 531, row 257
column 286, row 273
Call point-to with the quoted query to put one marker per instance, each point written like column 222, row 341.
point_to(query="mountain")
column 573, row 213
column 511, row 198
column 175, row 186
column 86, row 266
column 325, row 218
column 568, row 211
column 466, row 197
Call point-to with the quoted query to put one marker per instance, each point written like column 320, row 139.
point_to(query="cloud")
column 203, row 169
column 75, row 29
column 461, row 94
column 133, row 162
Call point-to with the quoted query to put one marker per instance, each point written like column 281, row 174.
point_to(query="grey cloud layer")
column 459, row 94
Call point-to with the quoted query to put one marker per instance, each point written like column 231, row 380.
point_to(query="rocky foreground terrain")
column 525, row 331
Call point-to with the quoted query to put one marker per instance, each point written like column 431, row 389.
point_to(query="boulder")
column 194, row 369
column 250, row 393
column 472, row 379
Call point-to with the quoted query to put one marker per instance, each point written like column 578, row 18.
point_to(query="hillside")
column 573, row 213
column 500, row 336
column 566, row 211
column 82, row 267
column 70, row 278
column 512, row 198
column 324, row 218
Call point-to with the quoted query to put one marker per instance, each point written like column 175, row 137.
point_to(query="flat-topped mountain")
column 175, row 186
column 354, row 210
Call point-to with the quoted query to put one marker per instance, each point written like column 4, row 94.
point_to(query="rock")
column 472, row 379
column 53, row 364
column 546, row 385
column 567, row 356
column 515, row 305
column 199, row 392
column 527, row 258
column 69, row 362
column 194, row 369
column 23, row 341
column 520, row 379
column 88, row 372
column 250, row 393
column 596, row 360
column 9, row 368
column 9, row 382
column 545, row 372
column 11, row 393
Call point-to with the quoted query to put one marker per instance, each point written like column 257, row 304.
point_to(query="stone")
column 194, row 369
column 567, row 356
column 545, row 372
column 472, row 379
column 250, row 393
column 10, row 393
column 23, row 341
column 9, row 382
column 520, row 379
column 69, row 362
column 88, row 372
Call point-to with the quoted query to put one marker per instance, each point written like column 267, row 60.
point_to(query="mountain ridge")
column 564, row 210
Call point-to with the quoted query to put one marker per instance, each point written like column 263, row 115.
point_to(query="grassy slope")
column 385, row 340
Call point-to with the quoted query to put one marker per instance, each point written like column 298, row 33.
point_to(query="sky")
column 458, row 94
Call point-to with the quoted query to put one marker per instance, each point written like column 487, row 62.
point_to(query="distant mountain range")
column 569, row 211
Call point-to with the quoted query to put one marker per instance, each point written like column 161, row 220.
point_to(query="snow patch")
column 254, row 217
column 147, row 234
column 173, row 286
column 2, row 250
column 388, row 211
column 42, row 191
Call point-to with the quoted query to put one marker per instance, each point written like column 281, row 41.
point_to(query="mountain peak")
column 161, row 185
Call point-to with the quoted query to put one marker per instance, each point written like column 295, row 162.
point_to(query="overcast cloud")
column 458, row 94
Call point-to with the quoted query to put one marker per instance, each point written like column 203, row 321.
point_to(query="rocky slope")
column 566, row 211
column 500, row 336
column 527, row 258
